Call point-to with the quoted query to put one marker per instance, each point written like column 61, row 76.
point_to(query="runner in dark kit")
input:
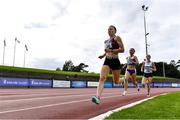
column 113, row 46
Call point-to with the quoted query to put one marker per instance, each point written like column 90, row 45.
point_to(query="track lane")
column 66, row 103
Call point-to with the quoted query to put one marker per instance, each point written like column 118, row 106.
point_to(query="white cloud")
column 59, row 30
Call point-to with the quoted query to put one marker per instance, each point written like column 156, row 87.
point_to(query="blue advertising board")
column 108, row 85
column 167, row 84
column 178, row 85
column 40, row 83
column 118, row 85
column 78, row 84
column 13, row 82
column 130, row 84
column 158, row 84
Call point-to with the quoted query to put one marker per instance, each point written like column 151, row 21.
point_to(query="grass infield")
column 161, row 107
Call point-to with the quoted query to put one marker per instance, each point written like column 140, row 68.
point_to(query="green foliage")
column 55, row 72
column 68, row 66
column 170, row 69
column 36, row 70
column 58, row 69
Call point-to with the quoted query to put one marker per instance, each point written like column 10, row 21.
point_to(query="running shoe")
column 148, row 95
column 95, row 100
column 125, row 93
column 138, row 89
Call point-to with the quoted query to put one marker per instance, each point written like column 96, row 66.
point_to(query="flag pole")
column 25, row 49
column 4, row 50
column 15, row 50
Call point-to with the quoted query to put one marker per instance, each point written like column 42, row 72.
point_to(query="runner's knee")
column 149, row 83
column 125, row 80
column 116, row 81
column 102, row 79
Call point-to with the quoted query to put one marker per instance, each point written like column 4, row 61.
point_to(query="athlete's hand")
column 101, row 56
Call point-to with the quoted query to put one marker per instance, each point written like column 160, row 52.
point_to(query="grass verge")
column 45, row 71
column 161, row 107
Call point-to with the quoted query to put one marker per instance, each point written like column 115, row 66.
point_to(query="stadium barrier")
column 22, row 82
column 62, row 83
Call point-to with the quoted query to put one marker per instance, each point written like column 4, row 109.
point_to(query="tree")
column 178, row 65
column 68, row 66
column 138, row 69
column 172, row 62
column 80, row 68
column 170, row 70
column 58, row 69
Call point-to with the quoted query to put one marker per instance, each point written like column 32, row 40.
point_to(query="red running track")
column 65, row 103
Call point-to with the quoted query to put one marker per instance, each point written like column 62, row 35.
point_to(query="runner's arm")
column 154, row 67
column 102, row 56
column 121, row 46
column 142, row 67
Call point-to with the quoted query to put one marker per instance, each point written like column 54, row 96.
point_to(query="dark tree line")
column 171, row 70
column 69, row 66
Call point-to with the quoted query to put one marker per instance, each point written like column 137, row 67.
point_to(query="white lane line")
column 107, row 114
column 64, row 103
column 38, row 94
column 50, row 97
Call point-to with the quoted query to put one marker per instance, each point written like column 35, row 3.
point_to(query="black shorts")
column 148, row 75
column 113, row 63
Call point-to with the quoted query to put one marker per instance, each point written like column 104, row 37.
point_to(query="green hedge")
column 10, row 71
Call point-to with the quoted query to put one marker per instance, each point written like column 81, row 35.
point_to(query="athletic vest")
column 148, row 67
column 131, row 60
column 111, row 44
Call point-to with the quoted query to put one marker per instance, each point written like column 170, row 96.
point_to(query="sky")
column 59, row 30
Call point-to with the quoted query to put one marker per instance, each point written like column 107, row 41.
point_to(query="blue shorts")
column 131, row 71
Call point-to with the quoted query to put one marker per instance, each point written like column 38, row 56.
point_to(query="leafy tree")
column 80, row 68
column 170, row 70
column 58, row 69
column 138, row 69
column 178, row 65
column 68, row 66
column 173, row 62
